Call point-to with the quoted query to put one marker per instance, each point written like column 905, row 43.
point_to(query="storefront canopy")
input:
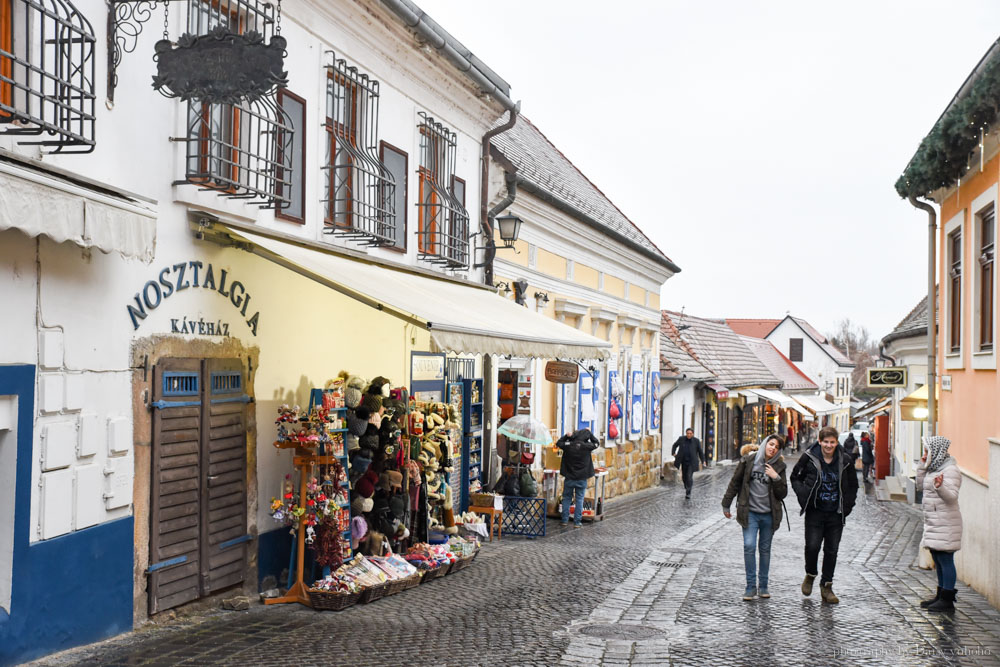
column 775, row 397
column 818, row 405
column 460, row 317
column 40, row 204
column 913, row 406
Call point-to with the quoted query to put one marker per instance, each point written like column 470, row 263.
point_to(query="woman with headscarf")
column 940, row 478
column 759, row 485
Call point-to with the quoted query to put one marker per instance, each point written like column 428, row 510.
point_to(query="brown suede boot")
column 826, row 592
column 807, row 584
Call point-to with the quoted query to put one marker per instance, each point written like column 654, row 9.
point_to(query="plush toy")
column 448, row 515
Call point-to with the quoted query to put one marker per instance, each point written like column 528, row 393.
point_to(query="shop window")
column 795, row 349
column 360, row 191
column 987, row 234
column 47, row 75
column 293, row 195
column 396, row 163
column 244, row 150
column 442, row 220
column 955, row 292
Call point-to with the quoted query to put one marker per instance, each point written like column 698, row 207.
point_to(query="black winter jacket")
column 687, row 452
column 739, row 488
column 806, row 477
column 577, row 462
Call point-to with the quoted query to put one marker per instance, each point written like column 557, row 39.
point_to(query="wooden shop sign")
column 561, row 372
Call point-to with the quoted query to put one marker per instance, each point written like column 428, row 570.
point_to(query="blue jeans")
column 758, row 522
column 944, row 564
column 571, row 487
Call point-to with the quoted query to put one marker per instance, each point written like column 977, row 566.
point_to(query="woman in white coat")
column 938, row 475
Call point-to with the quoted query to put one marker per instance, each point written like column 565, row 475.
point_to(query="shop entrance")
column 198, row 480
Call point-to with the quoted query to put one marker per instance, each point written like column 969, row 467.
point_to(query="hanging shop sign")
column 187, row 275
column 561, row 372
column 887, row 377
column 221, row 67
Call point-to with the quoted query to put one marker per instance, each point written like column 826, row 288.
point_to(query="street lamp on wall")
column 509, row 226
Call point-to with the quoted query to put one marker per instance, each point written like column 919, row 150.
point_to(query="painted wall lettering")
column 179, row 277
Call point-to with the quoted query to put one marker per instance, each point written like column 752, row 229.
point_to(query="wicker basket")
column 373, row 593
column 400, row 585
column 331, row 600
column 481, row 499
column 459, row 564
column 436, row 573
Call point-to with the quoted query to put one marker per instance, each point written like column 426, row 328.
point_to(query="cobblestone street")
column 659, row 582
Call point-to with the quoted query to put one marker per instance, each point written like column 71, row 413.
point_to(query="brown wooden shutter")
column 175, row 522
column 224, row 458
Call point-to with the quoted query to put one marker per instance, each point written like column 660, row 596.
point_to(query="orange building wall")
column 968, row 414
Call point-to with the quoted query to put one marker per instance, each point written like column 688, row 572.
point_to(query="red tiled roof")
column 753, row 328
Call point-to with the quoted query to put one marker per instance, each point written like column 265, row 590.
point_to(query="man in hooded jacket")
column 576, row 468
column 826, row 485
column 687, row 452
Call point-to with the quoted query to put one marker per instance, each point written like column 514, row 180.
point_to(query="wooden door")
column 198, row 509
column 175, row 486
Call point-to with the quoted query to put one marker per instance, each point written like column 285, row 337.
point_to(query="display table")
column 493, row 513
column 594, row 494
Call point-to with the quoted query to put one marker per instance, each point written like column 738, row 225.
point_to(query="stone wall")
column 632, row 466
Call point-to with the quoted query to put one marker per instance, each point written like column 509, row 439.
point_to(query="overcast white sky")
column 756, row 142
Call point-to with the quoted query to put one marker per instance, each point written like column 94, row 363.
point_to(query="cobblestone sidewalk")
column 659, row 582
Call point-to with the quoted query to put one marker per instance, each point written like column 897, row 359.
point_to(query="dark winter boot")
column 826, row 592
column 945, row 603
column 807, row 584
column 927, row 603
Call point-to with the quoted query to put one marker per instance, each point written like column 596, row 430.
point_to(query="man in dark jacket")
column 687, row 452
column 867, row 457
column 576, row 468
column 826, row 485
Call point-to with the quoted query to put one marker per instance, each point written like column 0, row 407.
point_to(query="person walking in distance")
column 759, row 486
column 687, row 452
column 826, row 486
column 867, row 457
column 576, row 468
column 938, row 475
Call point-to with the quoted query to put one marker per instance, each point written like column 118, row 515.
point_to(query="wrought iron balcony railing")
column 360, row 190
column 47, row 75
column 443, row 222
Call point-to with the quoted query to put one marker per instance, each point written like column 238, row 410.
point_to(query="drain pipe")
column 931, row 313
column 486, row 215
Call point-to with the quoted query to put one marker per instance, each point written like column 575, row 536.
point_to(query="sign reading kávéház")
column 887, row 377
column 186, row 275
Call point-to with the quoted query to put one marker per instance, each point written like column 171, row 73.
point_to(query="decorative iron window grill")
column 243, row 151
column 47, row 74
column 360, row 191
column 443, row 222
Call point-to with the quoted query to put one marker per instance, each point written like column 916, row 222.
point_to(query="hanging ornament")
column 221, row 67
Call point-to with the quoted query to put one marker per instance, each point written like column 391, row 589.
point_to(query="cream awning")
column 817, row 405
column 913, row 406
column 41, row 204
column 460, row 317
column 775, row 397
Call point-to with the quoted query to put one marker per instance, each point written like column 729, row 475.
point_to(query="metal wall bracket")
column 125, row 22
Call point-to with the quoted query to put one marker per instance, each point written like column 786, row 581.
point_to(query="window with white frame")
column 986, row 238
column 953, row 289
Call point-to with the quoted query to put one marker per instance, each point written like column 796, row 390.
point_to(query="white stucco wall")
column 676, row 418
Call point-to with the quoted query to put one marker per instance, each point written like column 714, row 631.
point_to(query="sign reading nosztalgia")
column 188, row 275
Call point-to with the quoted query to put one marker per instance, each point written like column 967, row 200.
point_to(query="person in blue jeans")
column 759, row 485
column 576, row 468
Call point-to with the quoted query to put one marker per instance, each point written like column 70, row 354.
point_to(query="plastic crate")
column 524, row 516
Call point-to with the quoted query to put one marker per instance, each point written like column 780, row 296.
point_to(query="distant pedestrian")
column 759, row 485
column 938, row 475
column 827, row 487
column 790, row 439
column 851, row 447
column 687, row 452
column 576, row 468
column 867, row 457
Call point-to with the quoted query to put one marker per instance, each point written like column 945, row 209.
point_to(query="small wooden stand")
column 298, row 592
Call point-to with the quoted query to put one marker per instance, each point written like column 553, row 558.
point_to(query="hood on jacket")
column 762, row 448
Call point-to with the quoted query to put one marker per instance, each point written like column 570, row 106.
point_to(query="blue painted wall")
column 70, row 590
column 274, row 548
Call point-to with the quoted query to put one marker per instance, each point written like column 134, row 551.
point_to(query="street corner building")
column 955, row 172
column 174, row 275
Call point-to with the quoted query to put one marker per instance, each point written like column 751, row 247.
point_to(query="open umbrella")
column 525, row 429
